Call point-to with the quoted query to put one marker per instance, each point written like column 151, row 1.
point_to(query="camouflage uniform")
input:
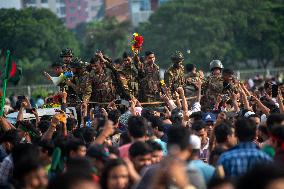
column 129, row 77
column 103, row 86
column 190, row 80
column 174, row 78
column 82, row 82
column 149, row 83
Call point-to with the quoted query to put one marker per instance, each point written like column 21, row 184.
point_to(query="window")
column 72, row 10
column 44, row 1
column 72, row 19
column 62, row 10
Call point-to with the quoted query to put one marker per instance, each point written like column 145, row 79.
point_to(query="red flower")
column 138, row 41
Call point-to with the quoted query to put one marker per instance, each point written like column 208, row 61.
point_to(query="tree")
column 107, row 35
column 33, row 34
column 233, row 31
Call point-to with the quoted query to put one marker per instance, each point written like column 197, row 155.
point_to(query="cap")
column 99, row 152
column 195, row 142
column 209, row 117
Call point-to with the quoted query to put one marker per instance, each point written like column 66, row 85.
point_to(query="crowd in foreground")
column 229, row 136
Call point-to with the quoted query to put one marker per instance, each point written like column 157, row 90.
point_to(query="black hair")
column 47, row 145
column 278, row 134
column 71, row 123
column 94, row 60
column 178, row 136
column 110, row 165
column 245, row 130
column 69, row 179
column 11, row 136
column 147, row 113
column 79, row 164
column 139, row 149
column 87, row 134
column 124, row 138
column 274, row 119
column 156, row 122
column 43, row 125
column 260, row 177
column 198, row 125
column 137, row 126
column 190, row 67
column 114, row 115
column 126, row 55
column 53, row 65
column 113, row 150
column 154, row 145
column 73, row 144
column 147, row 53
column 176, row 117
column 117, row 61
column 218, row 182
column 228, row 71
column 216, row 152
column 222, row 131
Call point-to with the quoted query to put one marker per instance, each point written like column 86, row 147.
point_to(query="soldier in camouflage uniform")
column 102, row 80
column 80, row 85
column 129, row 75
column 149, row 78
column 66, row 55
column 192, row 77
column 213, row 85
column 174, row 76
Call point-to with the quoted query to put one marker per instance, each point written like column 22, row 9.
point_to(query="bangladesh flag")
column 14, row 73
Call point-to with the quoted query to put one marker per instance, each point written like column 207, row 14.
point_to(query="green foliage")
column 230, row 30
column 33, row 34
column 40, row 92
column 107, row 35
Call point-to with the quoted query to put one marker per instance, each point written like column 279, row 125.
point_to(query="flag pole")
column 6, row 77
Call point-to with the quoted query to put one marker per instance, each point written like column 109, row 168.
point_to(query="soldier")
column 174, row 76
column 66, row 55
column 80, row 85
column 102, row 80
column 213, row 86
column 191, row 78
column 149, row 76
column 129, row 75
column 230, row 85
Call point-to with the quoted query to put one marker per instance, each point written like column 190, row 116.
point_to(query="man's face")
column 57, row 70
column 151, row 59
column 117, row 66
column 127, row 61
column 228, row 77
column 177, row 63
column 157, row 156
column 97, row 67
column 216, row 71
column 36, row 179
column 232, row 139
column 67, row 59
column 80, row 152
column 142, row 161
column 202, row 134
column 209, row 127
column 256, row 120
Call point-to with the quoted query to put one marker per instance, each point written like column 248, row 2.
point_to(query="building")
column 118, row 9
column 95, row 10
column 76, row 12
column 136, row 11
column 56, row 6
column 8, row 4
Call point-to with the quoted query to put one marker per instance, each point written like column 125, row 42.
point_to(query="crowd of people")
column 133, row 130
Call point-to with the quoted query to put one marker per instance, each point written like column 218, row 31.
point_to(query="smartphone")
column 274, row 90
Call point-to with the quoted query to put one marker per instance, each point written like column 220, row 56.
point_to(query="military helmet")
column 177, row 55
column 216, row 64
column 76, row 63
column 66, row 52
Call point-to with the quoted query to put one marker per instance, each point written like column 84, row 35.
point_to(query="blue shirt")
column 206, row 170
column 241, row 158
